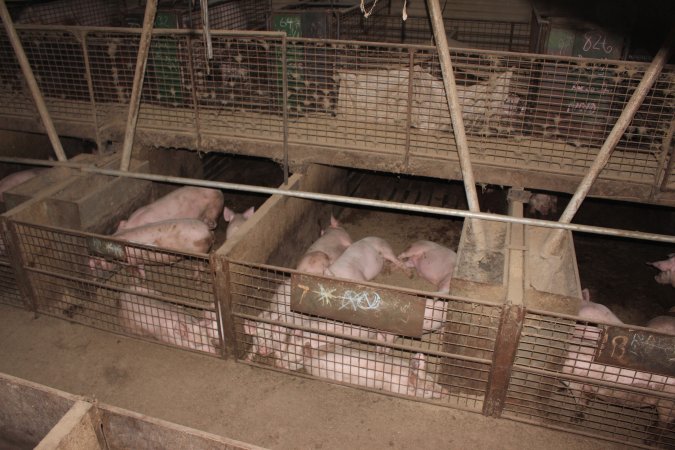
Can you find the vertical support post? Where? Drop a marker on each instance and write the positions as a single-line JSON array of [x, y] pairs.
[[141, 62], [456, 116], [90, 86], [32, 83], [15, 256], [223, 299], [510, 327], [408, 117], [665, 168], [284, 88], [193, 93], [513, 312], [555, 237]]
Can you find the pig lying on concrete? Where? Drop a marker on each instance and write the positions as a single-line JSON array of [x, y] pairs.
[[364, 260], [167, 322], [188, 202], [667, 268], [326, 250], [369, 369], [235, 220], [579, 362], [182, 235]]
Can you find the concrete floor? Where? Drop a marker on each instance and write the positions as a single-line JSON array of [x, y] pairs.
[[246, 403]]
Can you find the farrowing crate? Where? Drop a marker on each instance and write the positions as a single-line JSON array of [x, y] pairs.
[[13, 292], [78, 272]]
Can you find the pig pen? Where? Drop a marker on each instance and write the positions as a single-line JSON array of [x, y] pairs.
[[494, 352], [49, 180], [460, 329], [76, 270]]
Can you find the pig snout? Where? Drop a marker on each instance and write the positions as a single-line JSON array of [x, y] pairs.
[[235, 220]]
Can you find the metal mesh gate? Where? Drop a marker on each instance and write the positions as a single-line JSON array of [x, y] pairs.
[[449, 364], [556, 383], [141, 291]]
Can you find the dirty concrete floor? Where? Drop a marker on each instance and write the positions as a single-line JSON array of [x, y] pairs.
[[243, 402]]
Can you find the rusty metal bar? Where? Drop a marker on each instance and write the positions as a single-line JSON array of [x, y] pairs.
[[352, 200], [32, 82], [408, 117], [90, 87], [284, 104], [510, 327], [671, 158], [555, 238], [223, 299], [456, 115], [15, 257], [193, 93], [135, 101]]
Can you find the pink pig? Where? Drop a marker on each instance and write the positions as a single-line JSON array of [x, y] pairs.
[[235, 220], [188, 202], [363, 260], [16, 179], [166, 322], [433, 262], [667, 268], [580, 362], [324, 251], [183, 235], [369, 369], [665, 323]]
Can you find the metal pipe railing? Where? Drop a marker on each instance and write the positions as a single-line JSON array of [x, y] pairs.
[[137, 88], [455, 108], [351, 200], [31, 81]]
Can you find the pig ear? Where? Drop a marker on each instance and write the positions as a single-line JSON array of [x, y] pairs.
[[249, 212], [334, 222], [228, 214], [585, 296]]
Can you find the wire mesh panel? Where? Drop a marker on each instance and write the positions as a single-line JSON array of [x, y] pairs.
[[482, 34], [557, 381], [449, 364], [100, 13], [234, 15], [57, 61], [239, 92], [526, 112], [141, 291]]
